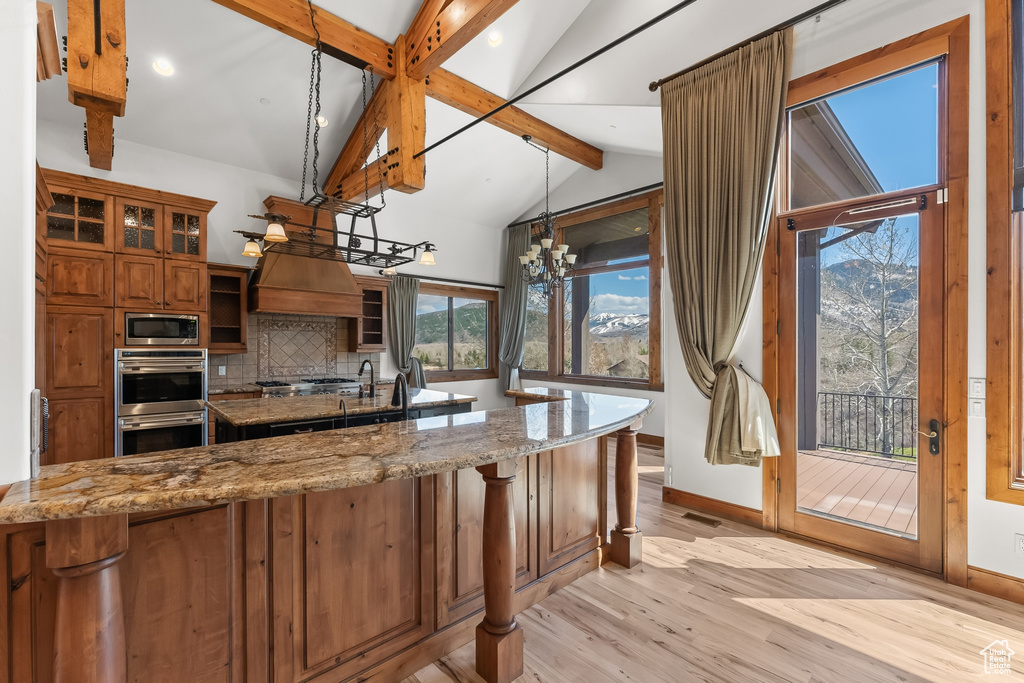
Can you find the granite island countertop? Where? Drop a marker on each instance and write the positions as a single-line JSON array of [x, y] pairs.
[[256, 411], [539, 394], [320, 461]]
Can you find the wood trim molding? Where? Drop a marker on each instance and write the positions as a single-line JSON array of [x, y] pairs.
[[995, 584], [1003, 288], [44, 200], [650, 440], [901, 54], [102, 186], [711, 506]]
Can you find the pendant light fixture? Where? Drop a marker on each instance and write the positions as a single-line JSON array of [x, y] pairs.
[[330, 243], [546, 265]]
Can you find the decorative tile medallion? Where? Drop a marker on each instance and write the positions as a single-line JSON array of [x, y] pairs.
[[295, 348]]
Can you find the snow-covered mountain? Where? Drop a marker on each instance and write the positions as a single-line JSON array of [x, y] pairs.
[[612, 325]]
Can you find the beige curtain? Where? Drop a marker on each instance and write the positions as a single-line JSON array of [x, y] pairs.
[[721, 125]]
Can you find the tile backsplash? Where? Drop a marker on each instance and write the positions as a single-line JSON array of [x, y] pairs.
[[289, 348]]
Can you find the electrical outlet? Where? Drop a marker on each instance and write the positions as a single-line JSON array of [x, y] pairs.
[[222, 370], [1018, 544]]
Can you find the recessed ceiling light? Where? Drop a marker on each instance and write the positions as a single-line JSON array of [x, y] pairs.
[[163, 67], [322, 121], [264, 101], [612, 125], [494, 40]]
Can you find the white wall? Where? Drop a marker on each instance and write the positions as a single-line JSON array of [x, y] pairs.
[[621, 173], [17, 196]]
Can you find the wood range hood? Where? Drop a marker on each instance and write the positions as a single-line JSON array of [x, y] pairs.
[[290, 283], [286, 283]]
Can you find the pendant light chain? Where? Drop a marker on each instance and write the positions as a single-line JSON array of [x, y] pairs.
[[366, 143], [312, 117]]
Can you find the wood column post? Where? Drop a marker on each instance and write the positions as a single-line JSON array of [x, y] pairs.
[[89, 644], [626, 538], [499, 639]]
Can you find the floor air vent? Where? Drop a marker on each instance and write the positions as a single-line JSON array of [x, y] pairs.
[[702, 519]]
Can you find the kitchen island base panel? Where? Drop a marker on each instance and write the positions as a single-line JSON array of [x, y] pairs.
[[89, 634]]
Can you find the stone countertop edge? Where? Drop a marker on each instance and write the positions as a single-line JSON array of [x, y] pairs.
[[538, 394], [240, 389], [256, 411], [304, 463]]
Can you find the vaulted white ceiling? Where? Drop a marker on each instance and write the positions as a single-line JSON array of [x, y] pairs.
[[239, 92]]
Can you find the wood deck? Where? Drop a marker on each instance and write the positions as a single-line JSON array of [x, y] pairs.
[[863, 488], [735, 604]]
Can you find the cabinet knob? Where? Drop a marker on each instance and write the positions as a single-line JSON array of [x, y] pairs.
[[157, 251], [167, 303]]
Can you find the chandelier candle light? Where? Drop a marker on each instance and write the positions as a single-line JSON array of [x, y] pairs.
[[545, 265]]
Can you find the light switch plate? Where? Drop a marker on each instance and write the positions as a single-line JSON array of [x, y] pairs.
[[976, 387], [976, 407]]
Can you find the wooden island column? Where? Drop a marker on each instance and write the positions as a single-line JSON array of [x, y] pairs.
[[499, 638], [627, 541], [89, 638]]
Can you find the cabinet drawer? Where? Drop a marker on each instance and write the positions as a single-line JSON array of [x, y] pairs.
[[79, 278], [301, 427]]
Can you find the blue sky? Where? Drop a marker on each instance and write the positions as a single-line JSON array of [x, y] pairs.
[[894, 125], [622, 293]]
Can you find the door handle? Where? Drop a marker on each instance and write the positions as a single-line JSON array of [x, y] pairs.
[[933, 437]]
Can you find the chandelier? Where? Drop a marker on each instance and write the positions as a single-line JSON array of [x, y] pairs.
[[546, 266], [331, 243]]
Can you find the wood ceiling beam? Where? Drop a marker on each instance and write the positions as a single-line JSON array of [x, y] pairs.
[[340, 39], [362, 138], [353, 187], [457, 92], [455, 25], [407, 124], [99, 138], [97, 74], [47, 50], [424, 21]]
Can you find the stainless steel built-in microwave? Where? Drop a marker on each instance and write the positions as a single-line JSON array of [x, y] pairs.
[[161, 329]]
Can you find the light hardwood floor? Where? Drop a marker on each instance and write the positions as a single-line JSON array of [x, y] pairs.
[[735, 604]]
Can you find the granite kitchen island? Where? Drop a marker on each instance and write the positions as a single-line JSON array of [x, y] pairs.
[[259, 418], [358, 553]]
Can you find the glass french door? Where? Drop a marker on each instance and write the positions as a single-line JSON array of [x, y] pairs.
[[861, 329]]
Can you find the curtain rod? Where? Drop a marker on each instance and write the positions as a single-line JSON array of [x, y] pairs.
[[618, 41], [585, 205], [793, 21], [444, 279]]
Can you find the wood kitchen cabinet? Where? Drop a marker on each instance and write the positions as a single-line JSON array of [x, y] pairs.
[[139, 227], [78, 345], [79, 218], [152, 283], [185, 233], [570, 521], [368, 332], [228, 306], [79, 278]]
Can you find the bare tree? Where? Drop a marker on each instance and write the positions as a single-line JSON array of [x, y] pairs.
[[869, 318]]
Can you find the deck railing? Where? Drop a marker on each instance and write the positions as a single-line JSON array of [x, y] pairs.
[[884, 425]]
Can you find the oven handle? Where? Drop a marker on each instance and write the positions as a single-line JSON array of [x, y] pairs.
[[128, 424], [127, 369]]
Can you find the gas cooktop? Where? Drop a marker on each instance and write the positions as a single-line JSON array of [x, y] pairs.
[[308, 387]]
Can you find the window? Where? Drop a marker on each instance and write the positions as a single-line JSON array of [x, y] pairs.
[[456, 332], [604, 327], [1005, 221]]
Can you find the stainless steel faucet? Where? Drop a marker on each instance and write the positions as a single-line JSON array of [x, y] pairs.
[[403, 396], [373, 386]]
